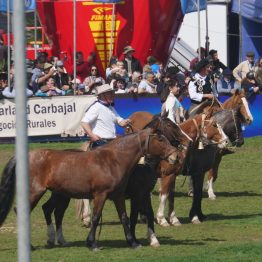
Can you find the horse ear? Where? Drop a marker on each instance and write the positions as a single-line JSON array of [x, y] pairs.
[[237, 92]]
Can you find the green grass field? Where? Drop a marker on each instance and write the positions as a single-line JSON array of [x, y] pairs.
[[233, 231]]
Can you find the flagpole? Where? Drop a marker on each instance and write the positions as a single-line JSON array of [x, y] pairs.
[[198, 20], [112, 30], [21, 154], [8, 44], [35, 33], [207, 36]]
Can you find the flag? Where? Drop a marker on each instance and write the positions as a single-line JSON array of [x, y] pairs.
[[30, 5]]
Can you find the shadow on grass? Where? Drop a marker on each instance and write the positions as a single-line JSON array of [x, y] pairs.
[[105, 244], [225, 217], [237, 194]]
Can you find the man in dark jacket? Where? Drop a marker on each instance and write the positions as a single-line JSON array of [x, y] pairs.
[[131, 64]]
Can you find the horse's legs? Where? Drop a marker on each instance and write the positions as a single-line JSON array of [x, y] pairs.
[[212, 176], [160, 216], [99, 202], [190, 187], [150, 221], [62, 203], [196, 215], [134, 210], [48, 208], [173, 220], [121, 210], [87, 212]]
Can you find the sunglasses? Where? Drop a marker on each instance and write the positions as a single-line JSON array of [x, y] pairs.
[[94, 69]]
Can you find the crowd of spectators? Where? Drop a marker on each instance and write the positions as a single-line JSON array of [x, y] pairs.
[[54, 77]]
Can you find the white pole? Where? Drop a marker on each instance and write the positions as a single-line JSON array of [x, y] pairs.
[[240, 31], [112, 30], [22, 181], [35, 34], [74, 41], [8, 43], [207, 36], [198, 20]]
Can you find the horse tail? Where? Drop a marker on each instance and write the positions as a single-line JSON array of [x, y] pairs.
[[7, 189]]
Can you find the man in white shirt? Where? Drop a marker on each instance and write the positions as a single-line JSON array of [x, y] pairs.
[[100, 119]]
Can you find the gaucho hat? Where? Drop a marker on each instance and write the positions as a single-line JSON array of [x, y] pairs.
[[201, 64], [128, 49]]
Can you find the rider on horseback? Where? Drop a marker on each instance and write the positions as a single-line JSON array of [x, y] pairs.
[[200, 87]]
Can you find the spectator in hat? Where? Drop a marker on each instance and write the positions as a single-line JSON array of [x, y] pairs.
[[131, 63], [200, 87], [217, 65], [61, 76], [250, 85], [100, 119], [39, 80], [244, 67], [227, 85], [195, 60]]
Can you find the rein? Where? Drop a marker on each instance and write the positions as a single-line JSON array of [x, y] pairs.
[[235, 123]]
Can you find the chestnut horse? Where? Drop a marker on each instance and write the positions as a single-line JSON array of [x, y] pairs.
[[98, 174]]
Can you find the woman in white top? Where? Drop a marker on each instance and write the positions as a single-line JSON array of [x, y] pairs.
[[172, 107]]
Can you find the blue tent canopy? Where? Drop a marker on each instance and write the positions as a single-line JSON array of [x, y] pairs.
[[30, 5], [189, 6], [251, 13]]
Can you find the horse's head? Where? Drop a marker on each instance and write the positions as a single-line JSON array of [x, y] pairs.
[[230, 121], [238, 101], [138, 121], [207, 132], [158, 145]]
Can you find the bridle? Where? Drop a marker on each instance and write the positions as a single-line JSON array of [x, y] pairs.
[[147, 145]]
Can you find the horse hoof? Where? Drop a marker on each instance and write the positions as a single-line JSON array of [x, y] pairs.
[[50, 244], [96, 249], [190, 194], [63, 244], [212, 197], [202, 217], [195, 220], [136, 246], [176, 224], [86, 225], [155, 244]]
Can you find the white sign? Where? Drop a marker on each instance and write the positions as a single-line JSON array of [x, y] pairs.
[[58, 115]]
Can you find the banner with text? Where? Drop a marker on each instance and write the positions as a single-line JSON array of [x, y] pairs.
[[46, 116]]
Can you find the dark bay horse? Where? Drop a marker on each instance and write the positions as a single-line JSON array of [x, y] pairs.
[[239, 104], [98, 174]]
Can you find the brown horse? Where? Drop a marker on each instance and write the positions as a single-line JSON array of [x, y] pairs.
[[98, 174]]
